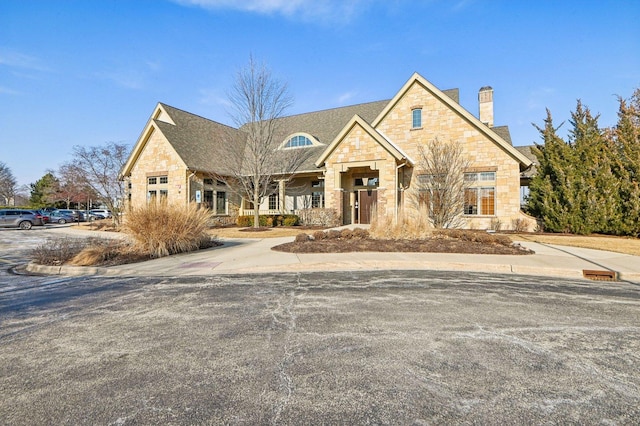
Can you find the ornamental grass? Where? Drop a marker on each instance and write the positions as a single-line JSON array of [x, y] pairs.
[[161, 229]]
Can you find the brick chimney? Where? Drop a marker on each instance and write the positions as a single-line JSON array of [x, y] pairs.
[[485, 101]]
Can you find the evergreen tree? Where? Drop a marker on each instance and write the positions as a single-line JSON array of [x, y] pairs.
[[625, 142], [551, 189], [43, 191], [595, 188]]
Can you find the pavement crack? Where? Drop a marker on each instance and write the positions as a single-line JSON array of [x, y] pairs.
[[283, 316]]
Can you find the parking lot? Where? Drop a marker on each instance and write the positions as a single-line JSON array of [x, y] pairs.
[[319, 348]]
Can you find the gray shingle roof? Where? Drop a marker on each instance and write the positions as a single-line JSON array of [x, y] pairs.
[[195, 138], [503, 132], [324, 125], [526, 151]]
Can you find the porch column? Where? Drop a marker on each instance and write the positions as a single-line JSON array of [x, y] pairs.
[[281, 195]]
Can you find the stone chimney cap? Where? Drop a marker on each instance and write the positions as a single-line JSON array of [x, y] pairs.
[[485, 88]]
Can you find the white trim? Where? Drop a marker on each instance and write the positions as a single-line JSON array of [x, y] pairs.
[[314, 141]]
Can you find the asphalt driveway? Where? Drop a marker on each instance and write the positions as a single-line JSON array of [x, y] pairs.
[[320, 348]]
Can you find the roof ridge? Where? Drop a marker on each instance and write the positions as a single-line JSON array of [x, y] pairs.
[[335, 108], [195, 115]]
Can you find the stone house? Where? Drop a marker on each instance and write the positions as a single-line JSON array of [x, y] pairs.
[[360, 156]]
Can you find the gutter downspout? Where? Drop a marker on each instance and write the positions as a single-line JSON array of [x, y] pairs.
[[189, 186], [396, 201]]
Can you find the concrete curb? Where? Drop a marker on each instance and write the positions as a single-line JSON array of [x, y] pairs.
[[335, 266]]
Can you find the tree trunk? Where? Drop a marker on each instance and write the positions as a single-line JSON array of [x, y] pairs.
[[256, 208]]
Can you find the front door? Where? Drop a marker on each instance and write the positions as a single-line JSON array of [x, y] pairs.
[[366, 201]]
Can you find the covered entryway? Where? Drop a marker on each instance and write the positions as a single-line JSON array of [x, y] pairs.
[[365, 205], [360, 195]]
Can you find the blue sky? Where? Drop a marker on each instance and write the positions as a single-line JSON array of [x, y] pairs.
[[88, 72]]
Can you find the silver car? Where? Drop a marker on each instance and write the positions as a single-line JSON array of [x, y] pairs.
[[19, 218], [58, 216]]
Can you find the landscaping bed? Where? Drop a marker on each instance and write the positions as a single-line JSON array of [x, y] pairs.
[[441, 241]]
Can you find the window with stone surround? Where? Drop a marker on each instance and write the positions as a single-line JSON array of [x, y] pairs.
[[480, 195], [416, 118]]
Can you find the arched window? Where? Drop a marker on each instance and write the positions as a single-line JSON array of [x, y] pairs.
[[298, 141]]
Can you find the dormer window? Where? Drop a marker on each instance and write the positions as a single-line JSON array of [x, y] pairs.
[[300, 140], [416, 118]]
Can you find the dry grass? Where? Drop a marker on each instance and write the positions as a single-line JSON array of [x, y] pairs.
[[625, 245], [411, 225], [279, 231], [162, 229]]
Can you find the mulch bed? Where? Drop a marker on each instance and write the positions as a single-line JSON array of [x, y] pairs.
[[435, 245]]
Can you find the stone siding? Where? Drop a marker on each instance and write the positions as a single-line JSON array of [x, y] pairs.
[[441, 122], [158, 158]]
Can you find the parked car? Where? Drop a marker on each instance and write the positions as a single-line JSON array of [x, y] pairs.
[[20, 218], [45, 215], [60, 216], [101, 213], [78, 215]]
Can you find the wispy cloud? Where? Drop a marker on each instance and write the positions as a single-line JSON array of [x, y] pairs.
[[345, 98], [539, 97], [8, 91], [14, 59], [124, 78], [131, 78], [214, 97], [310, 10]]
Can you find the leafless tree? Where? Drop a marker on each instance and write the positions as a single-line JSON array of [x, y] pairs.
[[8, 184], [97, 168], [253, 161], [72, 187], [440, 182]]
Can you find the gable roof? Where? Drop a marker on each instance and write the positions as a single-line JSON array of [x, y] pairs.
[[396, 152], [454, 106], [324, 126], [194, 138]]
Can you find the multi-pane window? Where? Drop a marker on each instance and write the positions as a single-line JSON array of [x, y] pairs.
[[416, 118], [317, 194], [208, 181], [221, 202], [480, 196], [208, 199], [298, 142], [157, 185], [273, 202]]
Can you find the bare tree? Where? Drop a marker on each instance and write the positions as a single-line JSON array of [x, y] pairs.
[[441, 184], [73, 188], [8, 184], [252, 158], [97, 168]]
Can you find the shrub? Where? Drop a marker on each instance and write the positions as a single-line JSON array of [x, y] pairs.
[[496, 224], [58, 251], [474, 236], [268, 220], [360, 234], [319, 217], [161, 229], [301, 238], [81, 252], [99, 252], [290, 220], [410, 224], [245, 221], [333, 234], [519, 225], [320, 235]]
